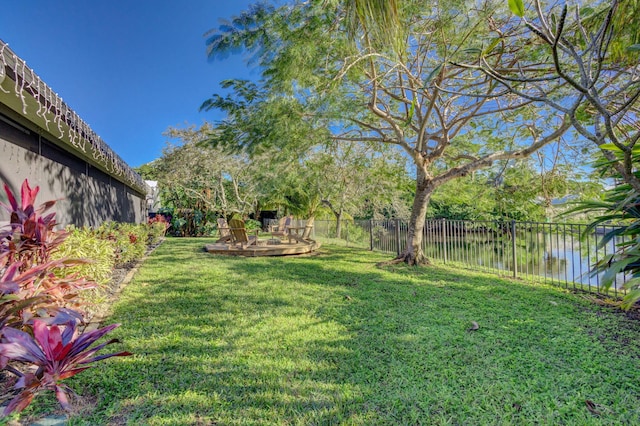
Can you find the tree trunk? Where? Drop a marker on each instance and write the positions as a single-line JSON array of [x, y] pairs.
[[338, 224], [413, 253]]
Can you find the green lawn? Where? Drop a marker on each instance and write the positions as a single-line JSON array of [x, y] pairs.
[[332, 339]]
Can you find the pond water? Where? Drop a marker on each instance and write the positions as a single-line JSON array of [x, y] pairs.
[[550, 252]]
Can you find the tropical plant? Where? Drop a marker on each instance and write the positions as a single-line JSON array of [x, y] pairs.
[[377, 18], [158, 226], [620, 206], [86, 243], [156, 230], [56, 353], [129, 240], [32, 289], [30, 237], [252, 224], [37, 296], [16, 304]]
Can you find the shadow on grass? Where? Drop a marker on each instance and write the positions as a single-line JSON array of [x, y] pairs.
[[333, 339]]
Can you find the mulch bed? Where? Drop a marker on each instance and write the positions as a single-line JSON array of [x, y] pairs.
[[120, 277]]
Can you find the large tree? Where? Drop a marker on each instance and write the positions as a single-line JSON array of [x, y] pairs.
[[409, 100], [202, 182], [357, 180], [581, 61], [345, 177]]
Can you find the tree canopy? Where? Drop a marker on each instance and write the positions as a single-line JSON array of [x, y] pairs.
[[318, 85]]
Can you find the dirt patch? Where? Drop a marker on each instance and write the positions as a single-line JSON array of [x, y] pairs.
[[618, 341]]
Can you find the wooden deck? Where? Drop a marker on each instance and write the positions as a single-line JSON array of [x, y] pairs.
[[265, 248]]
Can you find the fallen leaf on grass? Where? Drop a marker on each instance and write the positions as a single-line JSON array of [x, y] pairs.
[[553, 303], [347, 297], [592, 407], [474, 326]]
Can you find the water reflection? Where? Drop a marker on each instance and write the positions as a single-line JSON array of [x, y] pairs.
[[553, 252]]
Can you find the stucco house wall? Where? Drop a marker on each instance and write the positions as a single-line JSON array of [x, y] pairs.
[[43, 140]]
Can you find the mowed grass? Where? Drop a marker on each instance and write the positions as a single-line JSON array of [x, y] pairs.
[[333, 339]]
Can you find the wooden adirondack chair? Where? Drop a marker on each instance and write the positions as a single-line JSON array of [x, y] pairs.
[[224, 232], [305, 236], [274, 226], [281, 230], [239, 233]]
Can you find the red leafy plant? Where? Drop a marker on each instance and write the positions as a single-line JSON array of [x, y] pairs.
[[158, 218], [30, 236], [39, 309], [56, 353], [29, 288], [20, 299], [133, 238]]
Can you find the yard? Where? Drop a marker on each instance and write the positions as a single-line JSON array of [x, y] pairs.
[[333, 339]]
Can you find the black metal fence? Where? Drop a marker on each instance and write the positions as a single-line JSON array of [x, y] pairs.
[[555, 253]]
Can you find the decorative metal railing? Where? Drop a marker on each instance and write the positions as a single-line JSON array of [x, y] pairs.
[[58, 117], [555, 253]]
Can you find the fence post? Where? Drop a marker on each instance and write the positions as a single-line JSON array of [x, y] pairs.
[[513, 249], [371, 234], [444, 239], [397, 236]]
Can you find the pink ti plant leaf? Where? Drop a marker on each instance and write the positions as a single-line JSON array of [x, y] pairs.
[[28, 195], [8, 282], [13, 205], [58, 352]]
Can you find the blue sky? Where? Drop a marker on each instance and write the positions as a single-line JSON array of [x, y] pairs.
[[130, 69]]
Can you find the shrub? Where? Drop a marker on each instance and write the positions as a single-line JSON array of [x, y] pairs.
[[86, 243], [209, 229], [34, 301], [31, 289], [129, 240], [350, 231], [138, 236], [156, 231], [355, 233], [252, 224]]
